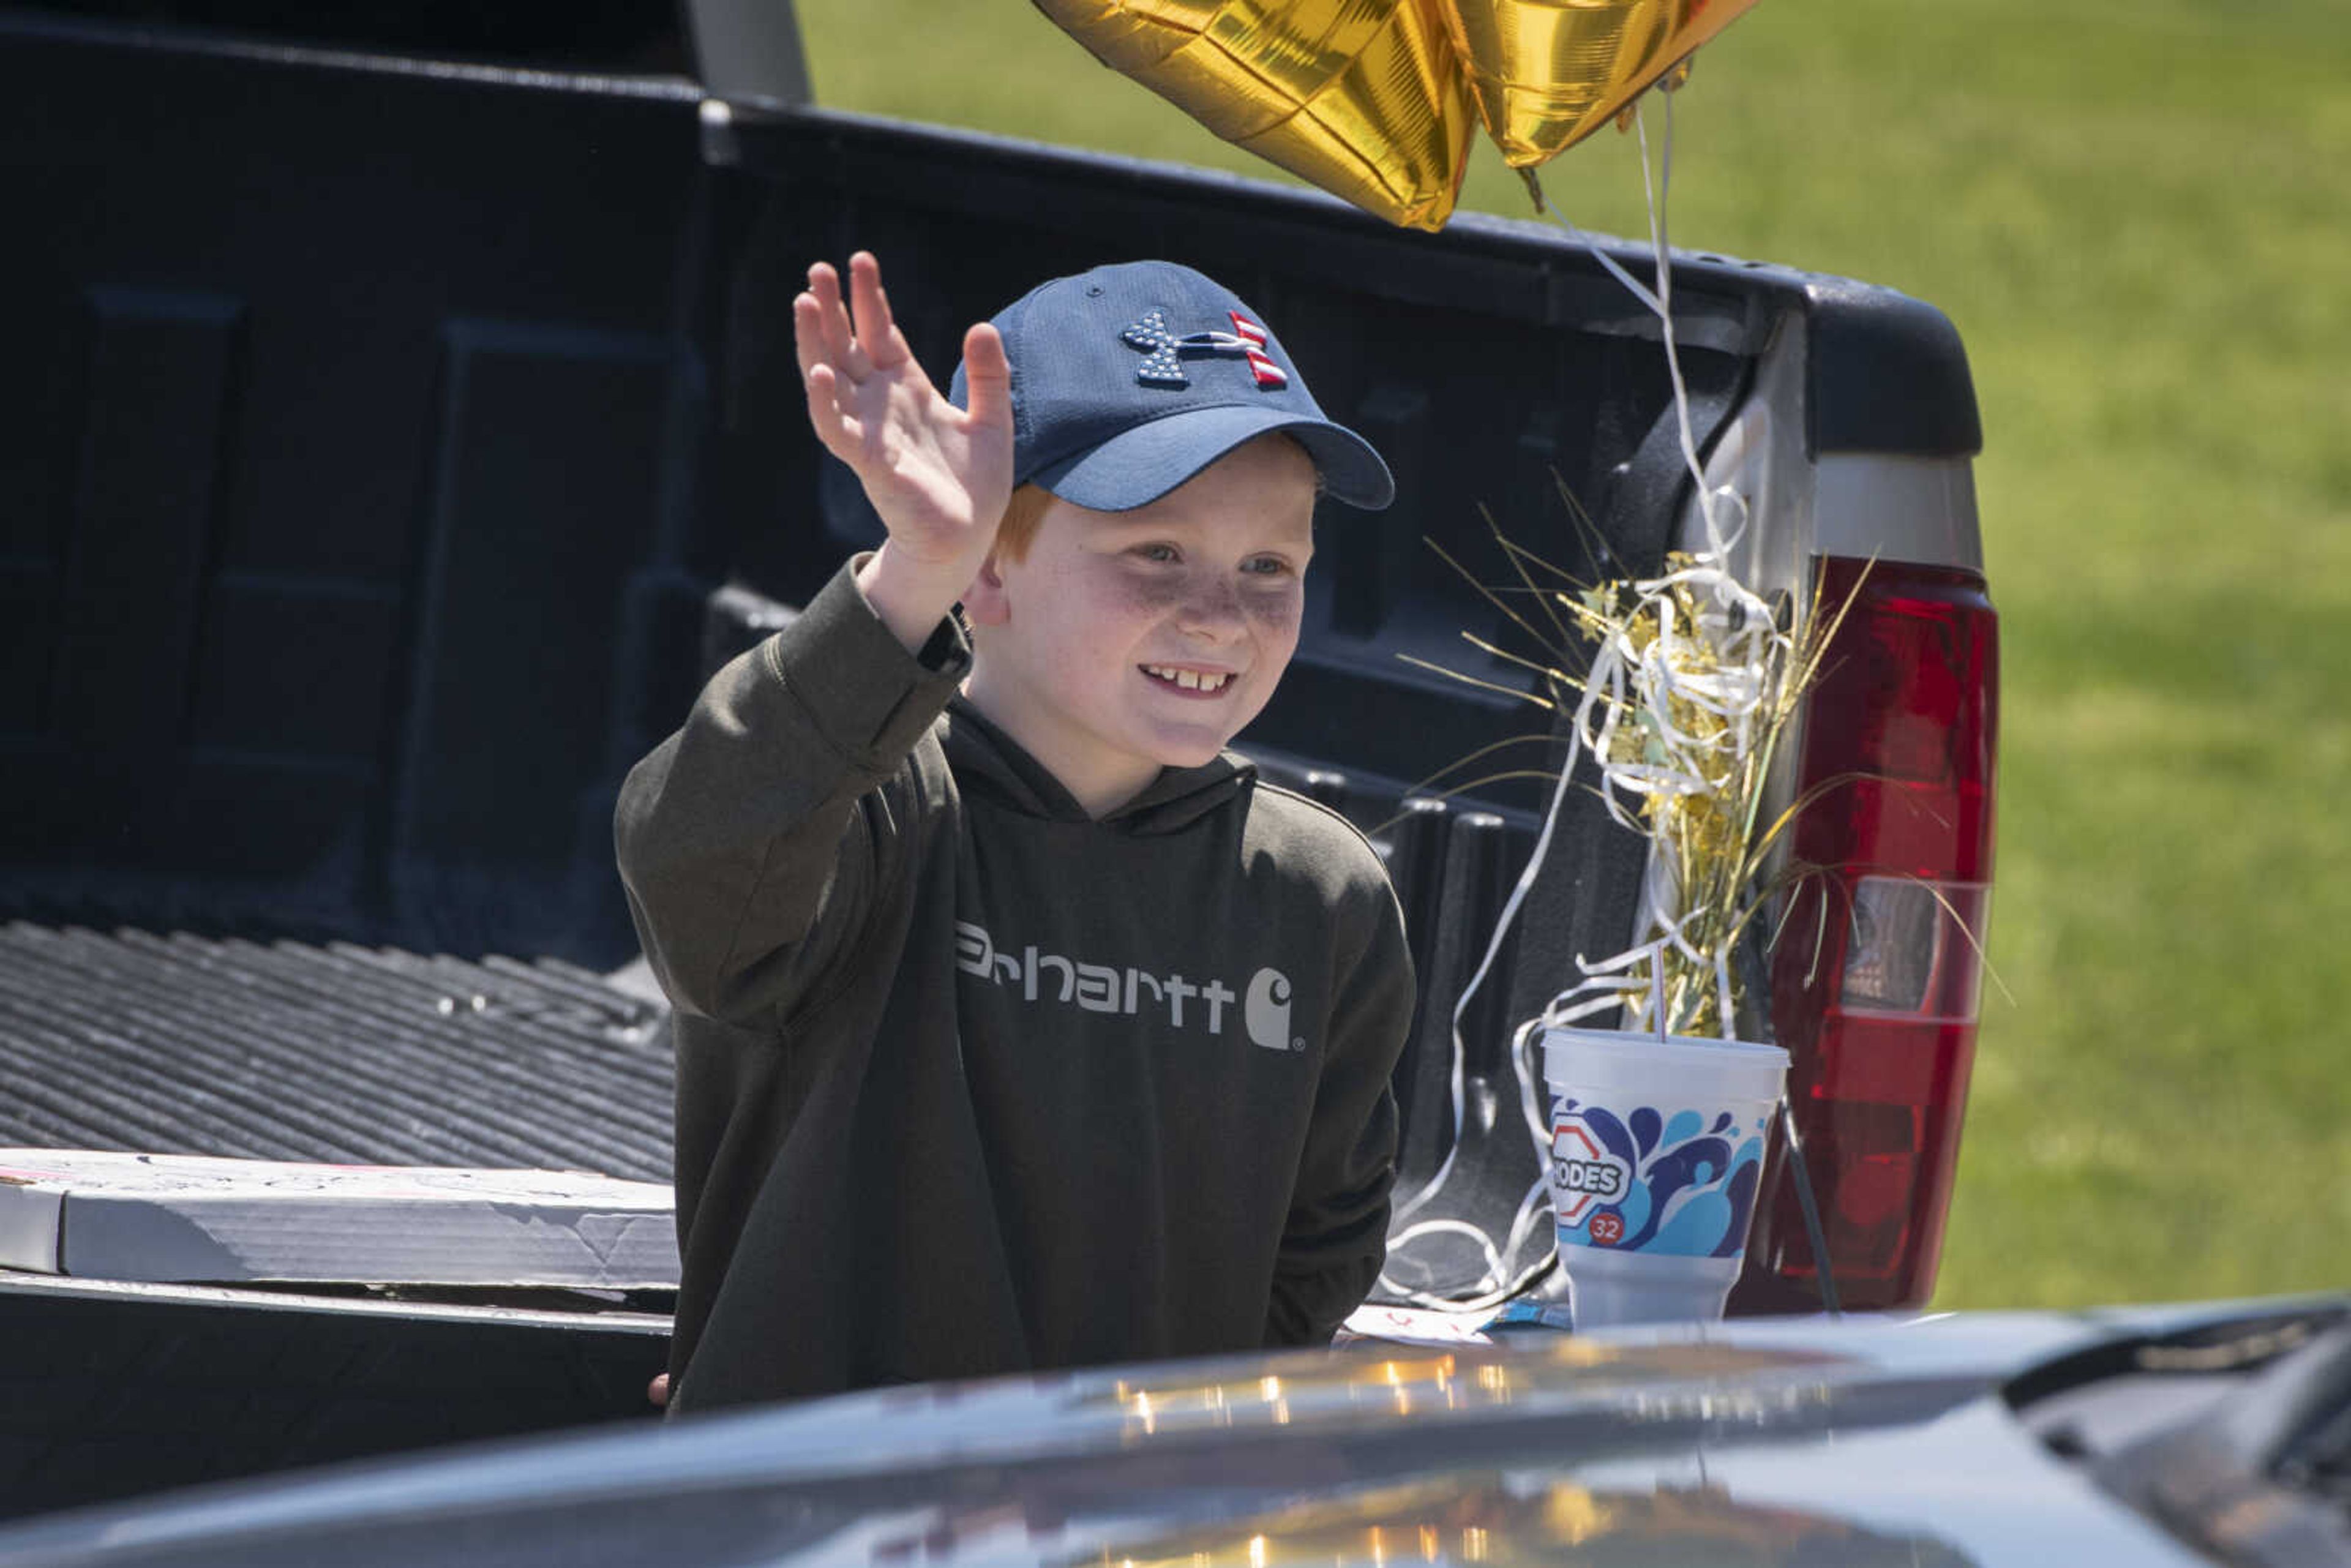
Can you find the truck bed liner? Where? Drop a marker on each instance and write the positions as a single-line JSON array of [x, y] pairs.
[[186, 1043]]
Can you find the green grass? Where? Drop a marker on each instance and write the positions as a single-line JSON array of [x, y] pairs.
[[2139, 212]]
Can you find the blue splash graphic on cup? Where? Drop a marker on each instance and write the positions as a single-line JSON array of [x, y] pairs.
[[1681, 1187]]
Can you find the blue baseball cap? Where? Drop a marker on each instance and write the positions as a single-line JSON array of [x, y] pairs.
[[1128, 379]]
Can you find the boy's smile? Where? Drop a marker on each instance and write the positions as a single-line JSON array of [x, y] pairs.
[[1205, 683], [1126, 642]]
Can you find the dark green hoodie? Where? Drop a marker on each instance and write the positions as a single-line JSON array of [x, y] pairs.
[[968, 1082]]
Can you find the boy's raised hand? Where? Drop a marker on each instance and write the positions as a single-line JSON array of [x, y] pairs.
[[938, 475]]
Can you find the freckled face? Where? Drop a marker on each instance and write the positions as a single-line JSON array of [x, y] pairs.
[[1127, 642]]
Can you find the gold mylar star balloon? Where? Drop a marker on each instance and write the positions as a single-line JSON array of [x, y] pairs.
[[1364, 98], [1372, 100], [1547, 73]]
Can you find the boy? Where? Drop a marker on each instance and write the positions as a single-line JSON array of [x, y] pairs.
[[1018, 1024]]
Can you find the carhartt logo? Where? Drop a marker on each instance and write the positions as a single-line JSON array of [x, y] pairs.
[[1265, 1012], [1164, 351], [1130, 991]]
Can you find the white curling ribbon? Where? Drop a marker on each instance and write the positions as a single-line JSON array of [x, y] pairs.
[[1723, 659]]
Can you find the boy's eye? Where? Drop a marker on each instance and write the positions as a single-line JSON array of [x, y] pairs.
[[1265, 566], [1159, 552]]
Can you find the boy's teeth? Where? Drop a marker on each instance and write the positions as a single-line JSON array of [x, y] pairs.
[[1189, 680]]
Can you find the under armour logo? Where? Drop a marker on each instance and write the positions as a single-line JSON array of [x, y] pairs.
[[1163, 362]]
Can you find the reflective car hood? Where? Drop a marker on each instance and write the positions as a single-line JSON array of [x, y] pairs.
[[1851, 1440]]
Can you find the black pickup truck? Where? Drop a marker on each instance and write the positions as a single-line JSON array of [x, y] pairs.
[[388, 449]]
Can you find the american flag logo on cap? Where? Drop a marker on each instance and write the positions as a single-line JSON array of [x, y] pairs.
[[1164, 351]]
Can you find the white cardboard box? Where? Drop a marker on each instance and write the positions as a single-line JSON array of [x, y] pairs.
[[183, 1218]]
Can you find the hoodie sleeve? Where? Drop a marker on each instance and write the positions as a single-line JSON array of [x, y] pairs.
[[1335, 1242], [751, 841]]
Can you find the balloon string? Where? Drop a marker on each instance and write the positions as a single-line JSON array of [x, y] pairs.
[[1496, 1284], [1519, 891], [1662, 303], [1656, 189]]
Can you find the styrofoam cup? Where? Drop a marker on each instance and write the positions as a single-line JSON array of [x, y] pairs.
[[1656, 1147]]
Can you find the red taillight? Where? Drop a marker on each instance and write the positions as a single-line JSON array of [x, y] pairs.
[[1875, 978]]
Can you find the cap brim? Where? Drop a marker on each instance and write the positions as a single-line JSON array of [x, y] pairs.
[[1136, 466]]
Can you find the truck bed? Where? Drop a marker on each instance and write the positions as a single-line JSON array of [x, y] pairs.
[[192, 1044]]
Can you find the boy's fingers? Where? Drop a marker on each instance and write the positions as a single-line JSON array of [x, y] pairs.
[[870, 313], [988, 377], [842, 436], [825, 283], [807, 334]]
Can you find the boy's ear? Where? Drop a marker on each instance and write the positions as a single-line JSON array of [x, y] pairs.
[[984, 602]]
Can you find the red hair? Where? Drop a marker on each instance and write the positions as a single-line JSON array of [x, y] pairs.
[[1022, 514]]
